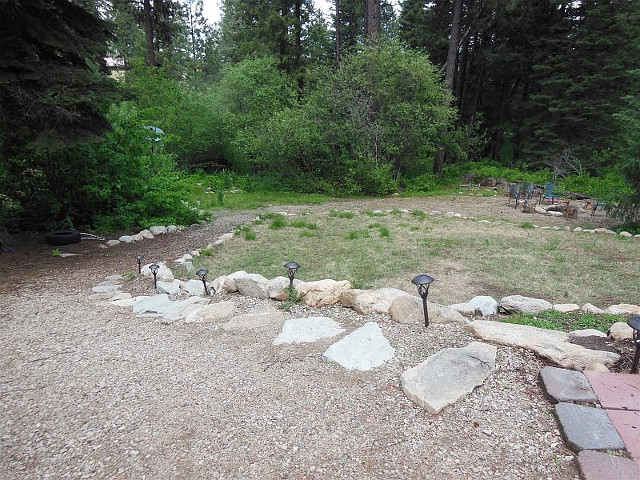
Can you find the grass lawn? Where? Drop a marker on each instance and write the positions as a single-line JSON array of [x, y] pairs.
[[466, 257]]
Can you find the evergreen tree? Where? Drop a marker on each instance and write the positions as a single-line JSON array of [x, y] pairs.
[[52, 73]]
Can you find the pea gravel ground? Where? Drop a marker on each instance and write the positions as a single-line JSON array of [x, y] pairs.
[[91, 391]]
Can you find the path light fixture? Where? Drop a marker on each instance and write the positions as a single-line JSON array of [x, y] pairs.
[[423, 281], [154, 269], [202, 273], [292, 268], [634, 323], [139, 260]]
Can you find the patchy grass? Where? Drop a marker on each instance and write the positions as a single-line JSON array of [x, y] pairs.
[[566, 322], [466, 257]]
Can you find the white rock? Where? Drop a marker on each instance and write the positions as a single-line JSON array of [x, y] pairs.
[[308, 330], [195, 253], [146, 234], [623, 309], [463, 309], [255, 318], [621, 331], [223, 238], [588, 332], [445, 377], [137, 237], [112, 243], [172, 229], [195, 287], [158, 230], [625, 234], [363, 349], [486, 304], [180, 310], [212, 313], [126, 239], [105, 288], [409, 310], [550, 344], [566, 307], [157, 304], [322, 292], [252, 285], [520, 304], [371, 301], [163, 274], [170, 288], [589, 308]]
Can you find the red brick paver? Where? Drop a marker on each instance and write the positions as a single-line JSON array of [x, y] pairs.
[[600, 466], [628, 426], [616, 391]]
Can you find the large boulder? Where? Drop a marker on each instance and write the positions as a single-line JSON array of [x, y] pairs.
[[164, 273], [621, 331], [323, 292], [445, 377], [278, 288], [520, 304], [550, 344], [485, 304], [252, 285], [623, 309], [371, 301], [212, 313], [408, 309], [182, 309]]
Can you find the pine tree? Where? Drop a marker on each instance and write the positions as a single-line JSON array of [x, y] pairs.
[[52, 73]]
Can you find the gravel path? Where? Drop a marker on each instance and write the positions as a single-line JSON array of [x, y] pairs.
[[90, 391]]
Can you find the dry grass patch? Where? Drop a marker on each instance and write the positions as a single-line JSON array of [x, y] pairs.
[[465, 257]]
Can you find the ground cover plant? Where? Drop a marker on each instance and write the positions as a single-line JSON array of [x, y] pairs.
[[467, 257]]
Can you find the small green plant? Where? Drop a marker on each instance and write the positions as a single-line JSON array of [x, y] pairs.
[[56, 252], [419, 214], [246, 232], [526, 225], [396, 212], [303, 224], [375, 213], [356, 234], [278, 222], [294, 296], [220, 198], [307, 234], [339, 214], [207, 252], [130, 275], [384, 232]]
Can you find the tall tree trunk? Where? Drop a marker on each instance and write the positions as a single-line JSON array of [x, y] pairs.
[[449, 75], [337, 33], [148, 32], [372, 21]]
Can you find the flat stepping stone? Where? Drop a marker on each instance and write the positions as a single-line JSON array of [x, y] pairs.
[[619, 391], [600, 466], [308, 330], [258, 317], [445, 377], [363, 349], [156, 304], [564, 385], [587, 428], [106, 288]]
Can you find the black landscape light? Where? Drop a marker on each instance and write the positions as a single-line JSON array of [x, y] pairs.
[[292, 268], [202, 273], [139, 260], [423, 281], [634, 323], [154, 269]]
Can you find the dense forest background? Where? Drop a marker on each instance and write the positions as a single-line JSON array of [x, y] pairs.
[[369, 100]]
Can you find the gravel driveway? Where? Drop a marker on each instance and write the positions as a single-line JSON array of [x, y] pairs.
[[92, 391]]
